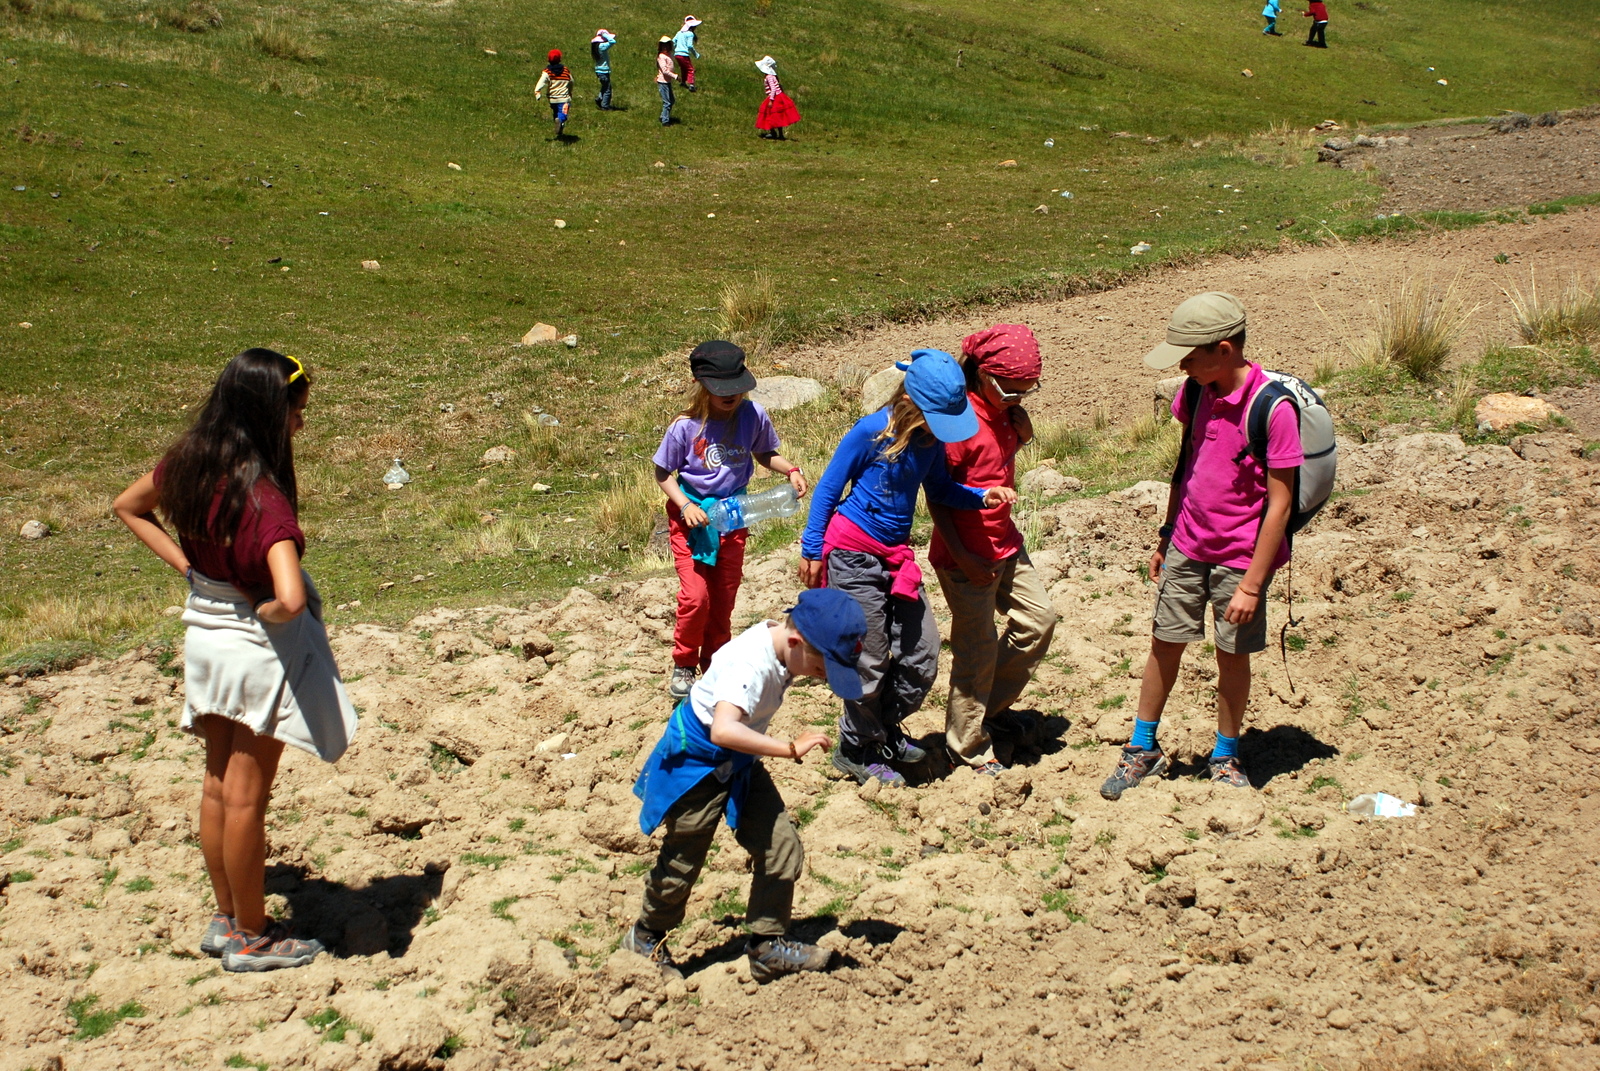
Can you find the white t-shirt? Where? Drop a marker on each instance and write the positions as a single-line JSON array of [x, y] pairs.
[[745, 672]]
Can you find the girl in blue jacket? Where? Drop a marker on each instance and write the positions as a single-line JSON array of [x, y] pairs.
[[859, 544], [600, 50], [1270, 13]]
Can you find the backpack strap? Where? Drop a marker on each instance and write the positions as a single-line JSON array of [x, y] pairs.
[[1266, 399], [1191, 402]]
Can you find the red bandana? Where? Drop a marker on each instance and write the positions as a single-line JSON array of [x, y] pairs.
[[1006, 350]]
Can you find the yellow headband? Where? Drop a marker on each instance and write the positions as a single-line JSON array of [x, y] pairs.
[[299, 369]]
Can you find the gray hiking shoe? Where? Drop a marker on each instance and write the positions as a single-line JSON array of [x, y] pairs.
[[273, 950], [683, 678], [901, 749], [1228, 773], [992, 768], [864, 767], [646, 942], [775, 956], [1135, 764], [215, 940]]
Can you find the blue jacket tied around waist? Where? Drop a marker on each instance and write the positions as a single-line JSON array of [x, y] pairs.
[[682, 759]]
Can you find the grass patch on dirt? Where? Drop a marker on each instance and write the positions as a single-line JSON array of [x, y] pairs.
[[94, 1023], [282, 155]]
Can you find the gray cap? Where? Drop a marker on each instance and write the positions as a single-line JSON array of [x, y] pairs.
[[1200, 321]]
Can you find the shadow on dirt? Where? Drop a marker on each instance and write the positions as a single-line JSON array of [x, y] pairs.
[[1020, 739], [382, 917], [1266, 754]]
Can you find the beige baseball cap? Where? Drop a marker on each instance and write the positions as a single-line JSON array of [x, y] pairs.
[[1200, 321]]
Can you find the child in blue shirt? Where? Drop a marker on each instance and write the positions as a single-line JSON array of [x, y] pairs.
[[858, 543], [600, 50]]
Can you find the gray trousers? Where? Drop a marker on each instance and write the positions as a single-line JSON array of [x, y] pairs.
[[899, 655]]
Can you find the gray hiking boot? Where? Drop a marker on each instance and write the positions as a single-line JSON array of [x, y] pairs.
[[215, 940], [775, 956], [864, 766], [683, 678], [652, 946], [1228, 773], [1134, 765], [273, 950], [901, 749]]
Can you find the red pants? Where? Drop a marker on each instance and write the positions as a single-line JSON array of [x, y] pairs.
[[706, 594], [686, 65]]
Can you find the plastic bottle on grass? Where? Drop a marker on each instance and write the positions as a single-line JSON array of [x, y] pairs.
[[1380, 805], [397, 476], [745, 511]]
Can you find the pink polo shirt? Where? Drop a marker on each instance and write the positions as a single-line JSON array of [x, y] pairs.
[[1220, 514]]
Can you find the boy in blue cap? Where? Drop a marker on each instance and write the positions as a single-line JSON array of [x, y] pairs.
[[705, 767], [859, 544]]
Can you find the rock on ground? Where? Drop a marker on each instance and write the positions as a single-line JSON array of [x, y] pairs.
[[776, 393]]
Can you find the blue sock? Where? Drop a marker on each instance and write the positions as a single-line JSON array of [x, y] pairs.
[[1144, 734], [1227, 747]]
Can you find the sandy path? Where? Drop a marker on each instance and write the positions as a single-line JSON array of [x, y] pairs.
[[1302, 305]]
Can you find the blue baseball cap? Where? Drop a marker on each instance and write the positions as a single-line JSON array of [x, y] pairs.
[[833, 622], [939, 387]]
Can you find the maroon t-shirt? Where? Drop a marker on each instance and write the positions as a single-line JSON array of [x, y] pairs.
[[267, 519]]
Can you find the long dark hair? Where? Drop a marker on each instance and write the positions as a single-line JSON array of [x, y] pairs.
[[241, 436]]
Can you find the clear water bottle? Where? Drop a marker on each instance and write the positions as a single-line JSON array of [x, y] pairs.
[[745, 511], [1380, 805], [397, 476]]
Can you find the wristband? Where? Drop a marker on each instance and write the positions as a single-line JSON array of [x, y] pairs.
[[793, 754], [1166, 530]]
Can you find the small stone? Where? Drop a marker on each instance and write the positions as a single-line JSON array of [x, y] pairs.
[[539, 488], [1042, 210], [1248, 73], [34, 530], [561, 224], [552, 745], [498, 455], [370, 265], [172, 611], [879, 388], [658, 163], [540, 332], [571, 342], [1548, 446], [386, 585], [1007, 163], [1046, 482], [1341, 1019], [1140, 249], [453, 166]]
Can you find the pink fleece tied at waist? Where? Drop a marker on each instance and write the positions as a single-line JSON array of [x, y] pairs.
[[845, 534]]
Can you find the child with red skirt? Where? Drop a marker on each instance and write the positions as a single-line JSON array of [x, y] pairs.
[[777, 110]]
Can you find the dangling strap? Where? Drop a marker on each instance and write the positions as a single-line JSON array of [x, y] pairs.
[[1283, 633]]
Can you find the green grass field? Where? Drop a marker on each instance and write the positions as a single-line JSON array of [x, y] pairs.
[[201, 178]]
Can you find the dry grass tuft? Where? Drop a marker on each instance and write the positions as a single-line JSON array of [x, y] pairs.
[[281, 43], [1462, 411], [1571, 317], [198, 17], [627, 510], [1324, 371], [76, 620], [1417, 327], [746, 312], [501, 539], [1537, 991]]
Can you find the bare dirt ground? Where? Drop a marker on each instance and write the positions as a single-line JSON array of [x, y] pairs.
[[474, 858]]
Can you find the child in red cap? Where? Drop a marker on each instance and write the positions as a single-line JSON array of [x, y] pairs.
[[558, 77], [978, 554]]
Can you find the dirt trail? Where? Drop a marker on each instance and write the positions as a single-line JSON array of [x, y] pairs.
[[1301, 304], [475, 856]]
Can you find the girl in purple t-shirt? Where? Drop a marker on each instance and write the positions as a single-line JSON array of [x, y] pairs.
[[709, 453]]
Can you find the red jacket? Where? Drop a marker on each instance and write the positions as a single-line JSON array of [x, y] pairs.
[[1317, 11]]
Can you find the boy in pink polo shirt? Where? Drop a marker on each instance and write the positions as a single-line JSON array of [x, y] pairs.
[[978, 554], [1223, 537]]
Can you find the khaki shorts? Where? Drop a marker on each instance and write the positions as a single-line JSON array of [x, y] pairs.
[[1186, 587]]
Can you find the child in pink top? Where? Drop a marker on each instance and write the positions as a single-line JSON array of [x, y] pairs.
[[1224, 534], [777, 110]]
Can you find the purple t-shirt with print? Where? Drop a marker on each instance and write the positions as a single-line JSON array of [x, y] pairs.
[[1222, 500], [717, 458]]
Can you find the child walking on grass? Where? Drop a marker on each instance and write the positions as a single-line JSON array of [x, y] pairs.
[[600, 52], [258, 672], [777, 111], [979, 557], [709, 453], [705, 767], [665, 76], [1317, 12], [684, 52], [558, 77], [859, 544], [1270, 13], [1223, 537]]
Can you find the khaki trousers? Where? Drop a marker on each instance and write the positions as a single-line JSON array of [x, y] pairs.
[[764, 831], [990, 667]]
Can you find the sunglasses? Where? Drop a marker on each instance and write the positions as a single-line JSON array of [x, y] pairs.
[[299, 369], [1011, 396]]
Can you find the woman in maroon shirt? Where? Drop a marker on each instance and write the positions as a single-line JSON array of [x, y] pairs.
[[256, 664]]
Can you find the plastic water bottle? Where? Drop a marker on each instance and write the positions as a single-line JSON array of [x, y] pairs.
[[1380, 805], [744, 511], [397, 476]]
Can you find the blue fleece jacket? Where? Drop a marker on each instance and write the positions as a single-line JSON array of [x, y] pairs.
[[883, 494], [604, 48], [683, 44]]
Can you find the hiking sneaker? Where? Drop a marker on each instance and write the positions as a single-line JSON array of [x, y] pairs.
[[864, 768], [1135, 764], [992, 768], [652, 946], [215, 940], [683, 678], [1228, 772], [776, 956], [273, 950], [900, 749]]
